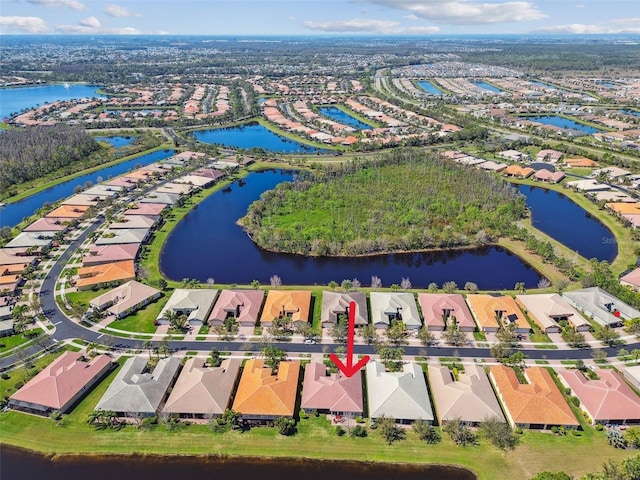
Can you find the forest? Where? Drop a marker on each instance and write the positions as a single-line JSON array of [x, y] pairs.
[[414, 201], [34, 152]]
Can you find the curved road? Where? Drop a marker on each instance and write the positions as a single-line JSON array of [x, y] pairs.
[[68, 329]]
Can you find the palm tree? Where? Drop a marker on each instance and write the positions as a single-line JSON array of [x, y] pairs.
[[520, 287]]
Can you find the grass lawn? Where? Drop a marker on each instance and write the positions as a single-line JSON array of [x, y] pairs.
[[12, 341], [8, 386], [83, 297], [142, 320]]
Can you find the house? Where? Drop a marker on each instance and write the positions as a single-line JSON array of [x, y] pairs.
[[537, 405], [32, 239], [389, 306], [138, 392], [176, 188], [518, 171], [601, 306], [126, 299], [122, 271], [104, 190], [470, 397], [294, 304], [335, 304], [120, 237], [632, 279], [491, 311], [202, 391], [158, 197], [61, 385], [581, 163], [607, 399], [195, 304], [46, 224], [133, 222], [263, 395], [68, 211], [110, 253], [513, 155], [200, 181], [632, 375], [548, 176], [333, 394], [17, 255], [81, 199], [402, 396], [6, 322], [243, 305], [492, 166], [438, 309], [548, 155], [548, 309], [147, 209]]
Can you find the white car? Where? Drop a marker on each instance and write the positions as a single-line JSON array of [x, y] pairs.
[[309, 342]]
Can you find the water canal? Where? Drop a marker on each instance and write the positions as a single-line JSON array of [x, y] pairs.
[[252, 135], [488, 86], [208, 243], [562, 122], [343, 117], [19, 464], [430, 88], [13, 213], [16, 99]]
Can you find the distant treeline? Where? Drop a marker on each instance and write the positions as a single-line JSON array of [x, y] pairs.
[[402, 201], [33, 152]]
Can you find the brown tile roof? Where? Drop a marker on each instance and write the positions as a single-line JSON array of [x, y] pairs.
[[433, 306], [68, 211], [57, 385], [296, 303], [108, 272], [334, 392], [262, 393], [485, 306], [538, 402], [608, 398], [110, 253]]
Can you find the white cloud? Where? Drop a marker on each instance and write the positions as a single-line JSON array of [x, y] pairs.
[[114, 10], [466, 12], [73, 4], [581, 6], [366, 25], [91, 22], [618, 25], [24, 24]]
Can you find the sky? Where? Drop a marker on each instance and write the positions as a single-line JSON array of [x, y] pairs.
[[316, 17]]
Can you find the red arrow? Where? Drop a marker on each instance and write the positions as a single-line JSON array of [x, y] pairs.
[[349, 369]]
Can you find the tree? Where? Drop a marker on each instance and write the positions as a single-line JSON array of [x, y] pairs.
[[632, 436], [214, 357], [391, 357], [368, 333], [286, 426], [275, 281], [389, 430], [176, 319], [631, 467], [147, 344], [397, 334], [452, 335], [273, 356], [340, 329], [635, 354], [426, 432], [615, 438], [405, 283], [552, 476], [572, 337], [255, 284], [499, 433], [306, 331], [375, 282], [210, 282], [449, 287], [162, 284], [425, 336], [459, 432], [471, 287], [607, 335], [332, 285], [346, 285], [520, 287], [433, 287]]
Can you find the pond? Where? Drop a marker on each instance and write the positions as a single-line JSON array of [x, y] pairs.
[[208, 243], [344, 118], [16, 99], [116, 142], [631, 112], [430, 88], [562, 122], [13, 213], [253, 135], [19, 464], [559, 217], [488, 86]]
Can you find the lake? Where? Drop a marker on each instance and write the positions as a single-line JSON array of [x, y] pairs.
[[489, 87], [559, 217], [252, 135], [562, 122], [13, 213], [430, 88], [16, 99], [19, 464], [208, 243], [631, 112], [116, 142], [344, 118]]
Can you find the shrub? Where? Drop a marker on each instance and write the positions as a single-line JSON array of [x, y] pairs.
[[599, 427], [359, 431], [340, 431]]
